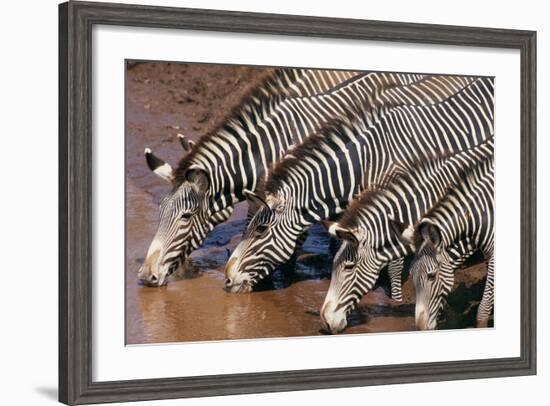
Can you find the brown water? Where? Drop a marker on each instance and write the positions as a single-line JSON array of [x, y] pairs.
[[164, 99]]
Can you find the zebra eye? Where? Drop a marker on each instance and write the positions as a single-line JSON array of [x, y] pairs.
[[348, 266], [431, 275], [186, 216], [261, 228]]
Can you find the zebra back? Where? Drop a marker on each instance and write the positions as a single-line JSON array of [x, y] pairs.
[[309, 82]]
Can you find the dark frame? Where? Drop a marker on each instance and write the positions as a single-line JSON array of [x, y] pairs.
[[76, 20]]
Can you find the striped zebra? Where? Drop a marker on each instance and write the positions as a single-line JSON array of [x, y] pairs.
[[181, 233], [224, 167], [377, 228], [460, 224], [317, 180]]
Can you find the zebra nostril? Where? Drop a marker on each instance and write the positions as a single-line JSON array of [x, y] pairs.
[[228, 283], [153, 279]]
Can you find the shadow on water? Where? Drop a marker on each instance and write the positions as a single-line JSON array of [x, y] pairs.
[[214, 252], [222, 234], [312, 263], [363, 314]]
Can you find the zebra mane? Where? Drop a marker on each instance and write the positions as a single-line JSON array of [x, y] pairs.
[[260, 186], [404, 171], [271, 90]]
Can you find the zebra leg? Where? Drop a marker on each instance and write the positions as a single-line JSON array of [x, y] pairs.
[[291, 264], [395, 270], [486, 304]]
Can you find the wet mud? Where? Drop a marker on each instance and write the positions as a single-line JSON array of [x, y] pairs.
[[164, 99]]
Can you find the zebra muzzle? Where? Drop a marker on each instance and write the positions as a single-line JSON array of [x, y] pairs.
[[236, 281], [333, 320]]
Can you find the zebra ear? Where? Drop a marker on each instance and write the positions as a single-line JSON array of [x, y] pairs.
[[158, 166], [340, 233], [255, 200], [430, 233], [405, 231], [199, 177], [185, 143]]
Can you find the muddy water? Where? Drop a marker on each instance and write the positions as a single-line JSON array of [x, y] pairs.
[[194, 307], [163, 99]]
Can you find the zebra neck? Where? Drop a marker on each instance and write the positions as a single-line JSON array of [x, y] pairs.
[[459, 251], [222, 202], [220, 216]]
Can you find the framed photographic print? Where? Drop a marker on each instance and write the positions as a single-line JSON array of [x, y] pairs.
[[257, 202]]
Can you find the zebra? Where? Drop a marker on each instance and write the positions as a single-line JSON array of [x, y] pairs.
[[187, 195], [461, 223], [319, 177], [377, 227], [224, 166]]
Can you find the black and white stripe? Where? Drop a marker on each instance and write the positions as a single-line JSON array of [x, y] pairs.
[[374, 225], [318, 179]]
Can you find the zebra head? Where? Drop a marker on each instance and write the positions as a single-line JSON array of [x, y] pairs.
[[269, 241], [432, 276], [341, 296], [185, 219], [363, 254]]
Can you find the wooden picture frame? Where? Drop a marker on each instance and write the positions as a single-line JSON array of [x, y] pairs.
[[76, 20]]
